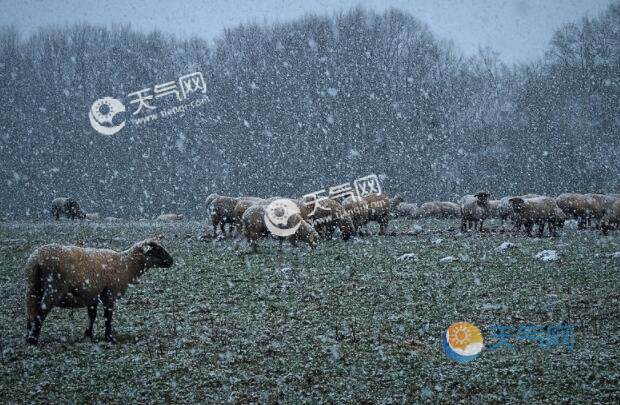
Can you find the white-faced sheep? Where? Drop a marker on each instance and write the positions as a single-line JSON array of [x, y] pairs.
[[67, 206], [254, 228], [537, 210], [75, 277], [474, 210]]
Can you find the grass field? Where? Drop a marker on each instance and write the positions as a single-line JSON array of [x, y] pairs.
[[348, 322]]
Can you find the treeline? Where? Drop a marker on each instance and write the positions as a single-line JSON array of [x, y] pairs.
[[299, 106]]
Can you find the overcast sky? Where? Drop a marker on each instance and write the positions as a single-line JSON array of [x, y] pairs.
[[518, 29]]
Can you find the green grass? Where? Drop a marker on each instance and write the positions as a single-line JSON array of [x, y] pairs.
[[347, 322]]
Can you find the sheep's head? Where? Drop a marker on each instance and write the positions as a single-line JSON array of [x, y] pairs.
[[154, 254], [309, 234], [517, 203], [483, 198], [74, 208], [396, 200]]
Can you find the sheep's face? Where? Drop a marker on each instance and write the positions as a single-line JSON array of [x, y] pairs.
[[156, 255], [397, 200], [517, 204], [483, 198]]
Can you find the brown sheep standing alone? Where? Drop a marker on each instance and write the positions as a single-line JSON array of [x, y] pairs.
[[75, 277]]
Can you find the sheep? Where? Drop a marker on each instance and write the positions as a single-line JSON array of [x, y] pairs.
[[92, 216], [537, 210], [581, 207], [358, 210], [254, 227], [221, 209], [380, 209], [243, 203], [599, 205], [406, 210], [75, 277], [611, 219], [112, 219], [328, 215], [504, 207], [170, 217], [67, 206], [474, 210], [439, 209]]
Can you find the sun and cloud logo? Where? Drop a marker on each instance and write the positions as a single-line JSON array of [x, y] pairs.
[[462, 342], [103, 112]]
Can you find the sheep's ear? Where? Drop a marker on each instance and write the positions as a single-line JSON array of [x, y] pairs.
[[146, 247]]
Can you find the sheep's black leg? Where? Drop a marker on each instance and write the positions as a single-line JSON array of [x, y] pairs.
[[107, 312], [553, 228], [43, 310], [528, 228], [541, 229], [383, 227], [214, 229], [223, 228], [92, 315], [108, 309]]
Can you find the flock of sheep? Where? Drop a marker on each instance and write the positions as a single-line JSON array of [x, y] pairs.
[[246, 214], [600, 211], [76, 277]]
